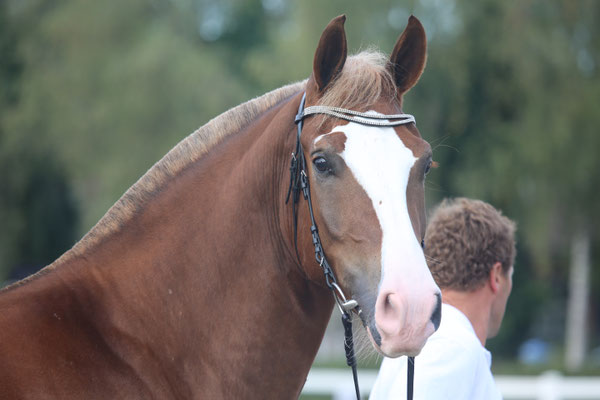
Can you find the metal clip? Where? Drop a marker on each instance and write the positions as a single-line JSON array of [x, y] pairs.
[[343, 304]]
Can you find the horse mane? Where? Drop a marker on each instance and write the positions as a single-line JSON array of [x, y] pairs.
[[364, 80], [186, 152]]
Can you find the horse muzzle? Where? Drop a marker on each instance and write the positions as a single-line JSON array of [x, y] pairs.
[[402, 324]]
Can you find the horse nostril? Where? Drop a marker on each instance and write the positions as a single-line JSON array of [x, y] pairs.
[[436, 316], [389, 305]]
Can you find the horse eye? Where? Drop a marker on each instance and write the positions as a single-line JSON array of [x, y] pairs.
[[428, 167], [321, 164]]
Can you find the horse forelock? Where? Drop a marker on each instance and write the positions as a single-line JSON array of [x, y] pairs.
[[364, 81]]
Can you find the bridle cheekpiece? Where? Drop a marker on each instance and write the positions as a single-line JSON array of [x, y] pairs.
[[299, 184]]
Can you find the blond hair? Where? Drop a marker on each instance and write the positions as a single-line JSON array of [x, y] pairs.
[[364, 80]]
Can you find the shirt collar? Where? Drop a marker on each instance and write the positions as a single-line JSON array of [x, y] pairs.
[[454, 314]]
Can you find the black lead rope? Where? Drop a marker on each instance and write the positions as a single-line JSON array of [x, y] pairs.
[[299, 184], [349, 347], [410, 378]]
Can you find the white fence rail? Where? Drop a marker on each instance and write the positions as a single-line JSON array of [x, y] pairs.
[[550, 385]]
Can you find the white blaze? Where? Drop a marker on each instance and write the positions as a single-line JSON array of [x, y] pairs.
[[381, 164]]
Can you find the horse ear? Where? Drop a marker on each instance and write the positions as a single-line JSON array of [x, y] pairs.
[[331, 53], [408, 57]]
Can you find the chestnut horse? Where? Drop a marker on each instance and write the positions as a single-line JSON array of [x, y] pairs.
[[193, 284]]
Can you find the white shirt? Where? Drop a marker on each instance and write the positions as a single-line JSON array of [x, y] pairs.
[[453, 365]]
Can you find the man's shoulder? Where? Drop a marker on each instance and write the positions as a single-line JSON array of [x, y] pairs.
[[451, 348], [447, 368], [452, 364], [455, 334], [454, 345], [455, 351]]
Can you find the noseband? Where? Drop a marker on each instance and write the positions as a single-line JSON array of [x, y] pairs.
[[299, 183]]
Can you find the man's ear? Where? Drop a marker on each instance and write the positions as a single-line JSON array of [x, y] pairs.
[[496, 278]]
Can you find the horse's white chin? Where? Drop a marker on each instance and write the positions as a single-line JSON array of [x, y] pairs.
[[400, 345]]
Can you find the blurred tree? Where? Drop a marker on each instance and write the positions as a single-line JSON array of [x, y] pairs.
[[37, 211], [37, 215], [111, 87], [10, 65]]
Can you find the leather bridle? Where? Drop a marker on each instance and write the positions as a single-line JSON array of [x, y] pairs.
[[299, 183]]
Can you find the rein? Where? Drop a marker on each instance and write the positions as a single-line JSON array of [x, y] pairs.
[[299, 184]]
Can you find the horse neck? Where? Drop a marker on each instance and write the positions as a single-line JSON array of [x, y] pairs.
[[204, 276]]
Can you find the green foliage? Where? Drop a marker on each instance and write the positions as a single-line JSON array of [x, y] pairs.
[[37, 212], [10, 65]]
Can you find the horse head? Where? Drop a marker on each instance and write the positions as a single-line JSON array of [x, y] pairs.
[[367, 184]]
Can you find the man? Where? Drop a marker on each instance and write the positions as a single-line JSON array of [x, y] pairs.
[[470, 248]]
